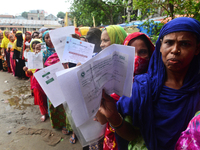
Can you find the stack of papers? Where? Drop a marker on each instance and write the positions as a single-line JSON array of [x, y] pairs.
[[81, 87]]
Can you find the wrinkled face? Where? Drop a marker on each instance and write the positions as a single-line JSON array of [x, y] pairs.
[[140, 48], [105, 40], [47, 40], [178, 50], [28, 36], [12, 38]]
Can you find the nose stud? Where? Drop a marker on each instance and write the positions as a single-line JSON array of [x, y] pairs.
[[179, 51]]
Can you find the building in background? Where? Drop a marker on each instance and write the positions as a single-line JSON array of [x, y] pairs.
[[36, 20], [51, 17], [36, 15]]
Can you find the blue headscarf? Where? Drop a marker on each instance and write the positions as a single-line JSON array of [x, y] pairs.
[[49, 51], [160, 112]]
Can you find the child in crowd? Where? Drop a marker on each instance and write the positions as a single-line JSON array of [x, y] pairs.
[[39, 95]]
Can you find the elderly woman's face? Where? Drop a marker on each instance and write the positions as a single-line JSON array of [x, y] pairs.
[[178, 50], [105, 40]]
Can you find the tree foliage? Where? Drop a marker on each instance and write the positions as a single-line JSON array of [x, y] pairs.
[[24, 14], [104, 11], [61, 15], [169, 8]]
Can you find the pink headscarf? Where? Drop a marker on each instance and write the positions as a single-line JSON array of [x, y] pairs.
[[52, 60]]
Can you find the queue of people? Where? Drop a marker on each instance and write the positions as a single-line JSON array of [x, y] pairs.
[[165, 92]]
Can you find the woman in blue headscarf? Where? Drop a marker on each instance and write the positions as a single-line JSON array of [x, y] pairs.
[[50, 48], [165, 99]]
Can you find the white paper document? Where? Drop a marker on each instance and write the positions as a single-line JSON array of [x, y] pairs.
[[48, 81], [58, 38], [77, 51], [35, 61], [111, 69], [43, 47], [92, 130]]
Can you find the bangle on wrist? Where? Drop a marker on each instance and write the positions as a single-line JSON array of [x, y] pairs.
[[119, 125]]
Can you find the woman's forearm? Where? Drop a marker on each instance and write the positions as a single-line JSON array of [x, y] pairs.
[[127, 132], [123, 128]]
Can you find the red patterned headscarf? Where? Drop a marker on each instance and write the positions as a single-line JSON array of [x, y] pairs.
[[141, 64], [52, 60]]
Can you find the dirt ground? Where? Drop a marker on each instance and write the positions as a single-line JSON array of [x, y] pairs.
[[17, 110]]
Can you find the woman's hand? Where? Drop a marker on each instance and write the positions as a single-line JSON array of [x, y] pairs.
[[100, 118], [78, 64], [108, 109], [25, 68]]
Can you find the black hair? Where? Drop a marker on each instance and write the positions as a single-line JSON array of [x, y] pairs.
[[19, 39], [94, 36], [34, 33], [76, 36], [34, 42], [145, 40]]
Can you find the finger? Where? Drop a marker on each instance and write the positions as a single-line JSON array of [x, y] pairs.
[[106, 96]]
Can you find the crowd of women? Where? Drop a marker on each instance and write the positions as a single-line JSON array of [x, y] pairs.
[[165, 92]]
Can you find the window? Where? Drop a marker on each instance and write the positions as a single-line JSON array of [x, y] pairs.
[[31, 18]]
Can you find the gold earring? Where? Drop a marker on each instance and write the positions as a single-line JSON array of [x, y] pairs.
[[179, 51]]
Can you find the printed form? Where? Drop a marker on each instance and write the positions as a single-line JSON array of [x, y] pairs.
[[35, 61], [112, 70], [77, 51], [47, 79], [58, 38], [109, 71]]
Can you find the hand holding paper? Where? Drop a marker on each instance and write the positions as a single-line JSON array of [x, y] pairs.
[[112, 70]]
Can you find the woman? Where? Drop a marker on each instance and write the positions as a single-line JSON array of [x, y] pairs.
[[19, 56], [11, 38], [57, 115], [165, 99], [26, 44], [50, 48], [35, 35], [14, 31], [112, 34], [5, 54], [143, 51], [1, 37]]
